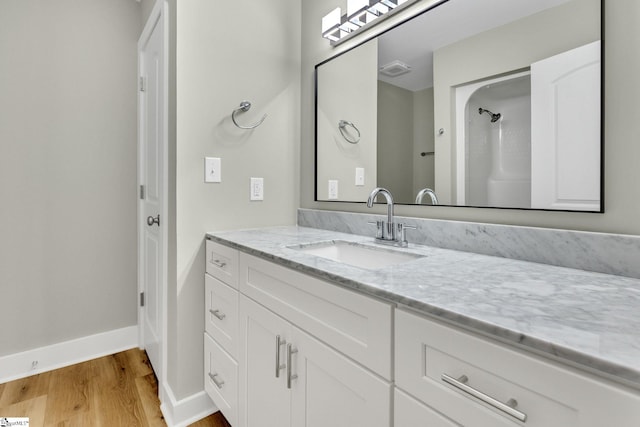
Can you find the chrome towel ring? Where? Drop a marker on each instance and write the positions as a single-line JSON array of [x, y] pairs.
[[244, 107], [342, 124]]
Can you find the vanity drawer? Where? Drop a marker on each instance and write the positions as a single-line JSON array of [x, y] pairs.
[[221, 379], [549, 395], [221, 314], [356, 325], [408, 412], [222, 263]]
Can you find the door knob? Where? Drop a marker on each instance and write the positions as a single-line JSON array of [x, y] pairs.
[[151, 220]]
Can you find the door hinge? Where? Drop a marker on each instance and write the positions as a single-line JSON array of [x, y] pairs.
[[142, 84], [141, 299], [142, 192]]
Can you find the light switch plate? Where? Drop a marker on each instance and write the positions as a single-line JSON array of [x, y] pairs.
[[360, 177], [257, 188], [333, 189], [212, 169]]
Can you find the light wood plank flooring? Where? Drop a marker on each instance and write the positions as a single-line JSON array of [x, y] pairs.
[[116, 390]]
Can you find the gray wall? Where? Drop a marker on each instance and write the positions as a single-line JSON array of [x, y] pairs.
[[67, 169], [217, 65], [423, 141], [395, 142], [353, 80], [621, 129]]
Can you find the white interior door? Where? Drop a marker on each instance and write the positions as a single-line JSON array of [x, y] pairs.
[[565, 130], [152, 221]]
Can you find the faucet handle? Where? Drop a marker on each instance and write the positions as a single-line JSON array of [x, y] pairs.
[[402, 231]]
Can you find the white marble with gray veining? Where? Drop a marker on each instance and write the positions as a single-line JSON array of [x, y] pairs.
[[585, 319], [599, 252]]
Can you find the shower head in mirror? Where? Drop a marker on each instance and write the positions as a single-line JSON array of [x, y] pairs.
[[494, 117]]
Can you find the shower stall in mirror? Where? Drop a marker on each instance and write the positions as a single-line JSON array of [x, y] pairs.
[[493, 132]]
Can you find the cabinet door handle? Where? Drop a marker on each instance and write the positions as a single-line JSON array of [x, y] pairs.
[[218, 263], [220, 315], [279, 342], [508, 408], [290, 376], [216, 381]]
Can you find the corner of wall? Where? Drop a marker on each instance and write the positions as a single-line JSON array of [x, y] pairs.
[[184, 412]]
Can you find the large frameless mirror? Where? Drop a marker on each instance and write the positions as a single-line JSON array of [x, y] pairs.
[[487, 103]]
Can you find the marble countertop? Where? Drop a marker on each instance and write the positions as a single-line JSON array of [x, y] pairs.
[[589, 320]]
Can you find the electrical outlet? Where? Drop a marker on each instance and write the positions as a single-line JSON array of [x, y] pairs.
[[212, 169], [257, 188], [360, 177], [333, 189]]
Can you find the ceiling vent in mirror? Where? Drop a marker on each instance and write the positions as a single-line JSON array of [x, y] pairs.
[[395, 68]]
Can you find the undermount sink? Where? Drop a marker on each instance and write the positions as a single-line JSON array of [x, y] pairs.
[[356, 254]]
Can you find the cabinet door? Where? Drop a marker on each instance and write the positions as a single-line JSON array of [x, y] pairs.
[[222, 263], [550, 395], [221, 314], [331, 390], [221, 379], [264, 398], [408, 412]]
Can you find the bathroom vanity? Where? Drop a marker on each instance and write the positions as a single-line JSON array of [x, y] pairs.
[[298, 336]]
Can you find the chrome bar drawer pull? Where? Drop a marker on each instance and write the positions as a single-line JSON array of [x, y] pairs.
[[290, 376], [218, 263], [220, 315], [279, 343], [216, 381], [508, 408]]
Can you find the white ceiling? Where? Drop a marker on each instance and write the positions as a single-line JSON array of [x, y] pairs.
[[414, 42]]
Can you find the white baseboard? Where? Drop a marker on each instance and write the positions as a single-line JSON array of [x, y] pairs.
[[20, 365], [181, 413]]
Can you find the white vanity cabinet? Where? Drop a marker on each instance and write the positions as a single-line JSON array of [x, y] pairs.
[[298, 333], [221, 329], [285, 349], [478, 383]]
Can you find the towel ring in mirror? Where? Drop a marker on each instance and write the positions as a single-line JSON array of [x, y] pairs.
[[342, 124], [244, 107]]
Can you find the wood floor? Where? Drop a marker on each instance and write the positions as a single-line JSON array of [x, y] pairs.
[[116, 390]]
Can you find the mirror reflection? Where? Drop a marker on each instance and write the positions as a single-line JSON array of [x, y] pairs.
[[488, 103]]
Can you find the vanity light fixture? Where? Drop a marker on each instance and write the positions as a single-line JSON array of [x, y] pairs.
[[335, 26], [360, 13], [331, 25]]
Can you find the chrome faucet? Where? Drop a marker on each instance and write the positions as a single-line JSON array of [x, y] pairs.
[[390, 228], [388, 232], [430, 192]]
